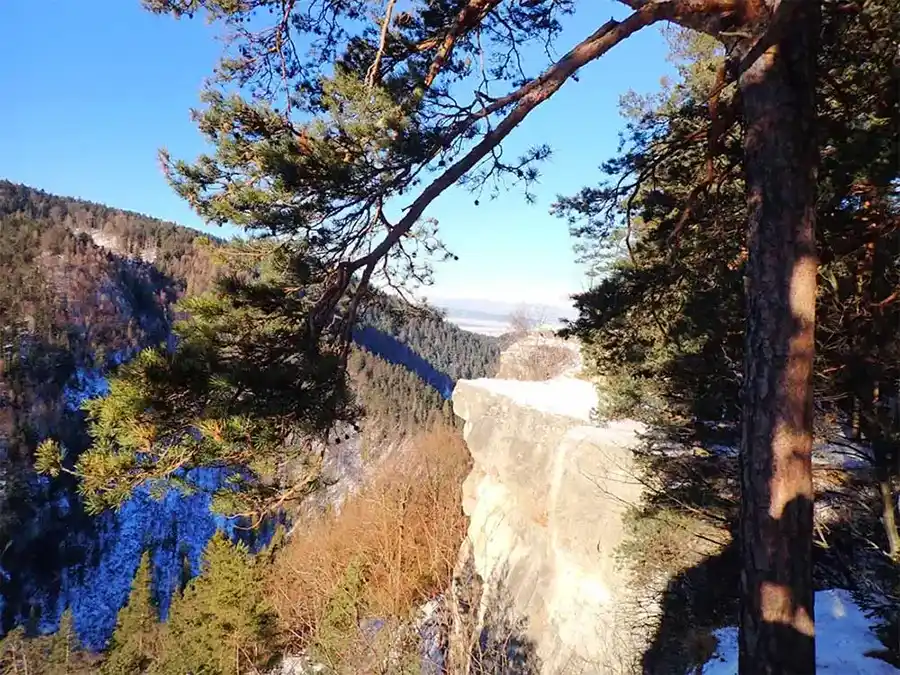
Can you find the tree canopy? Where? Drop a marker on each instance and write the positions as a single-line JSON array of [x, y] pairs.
[[648, 321], [134, 643], [241, 391], [329, 117]]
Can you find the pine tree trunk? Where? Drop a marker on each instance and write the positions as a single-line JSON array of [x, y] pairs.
[[889, 517], [778, 94]]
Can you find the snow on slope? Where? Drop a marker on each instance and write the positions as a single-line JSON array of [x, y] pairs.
[[843, 637]]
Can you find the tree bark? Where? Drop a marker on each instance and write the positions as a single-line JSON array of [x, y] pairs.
[[778, 94], [889, 518]]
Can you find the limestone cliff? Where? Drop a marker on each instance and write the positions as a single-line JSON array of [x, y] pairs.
[[546, 499]]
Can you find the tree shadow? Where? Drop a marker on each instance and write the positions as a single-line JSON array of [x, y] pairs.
[[705, 596], [487, 636], [393, 351], [683, 531], [503, 646], [694, 604]]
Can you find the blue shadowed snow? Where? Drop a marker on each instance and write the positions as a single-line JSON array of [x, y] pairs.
[[87, 383], [394, 351], [84, 384], [175, 529], [99, 561], [91, 568]]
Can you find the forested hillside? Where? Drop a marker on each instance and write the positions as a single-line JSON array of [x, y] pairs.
[[71, 309], [459, 354], [181, 262], [85, 289], [394, 397], [68, 308], [177, 251]]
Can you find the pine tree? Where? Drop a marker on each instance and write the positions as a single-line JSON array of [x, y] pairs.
[[62, 646], [15, 655], [650, 325], [221, 624], [56, 654], [133, 646], [242, 380]]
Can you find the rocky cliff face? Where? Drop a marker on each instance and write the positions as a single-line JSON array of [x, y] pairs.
[[546, 500]]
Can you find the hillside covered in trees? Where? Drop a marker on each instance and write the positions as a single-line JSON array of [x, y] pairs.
[[68, 308], [176, 251], [87, 290], [459, 354]]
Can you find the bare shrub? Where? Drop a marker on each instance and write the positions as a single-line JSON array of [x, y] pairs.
[[391, 547], [537, 357], [545, 361], [532, 351], [523, 320]]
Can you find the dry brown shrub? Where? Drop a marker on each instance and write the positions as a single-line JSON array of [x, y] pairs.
[[401, 534], [536, 358], [546, 361]]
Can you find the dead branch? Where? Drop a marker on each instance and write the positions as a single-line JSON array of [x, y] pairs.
[[372, 73]]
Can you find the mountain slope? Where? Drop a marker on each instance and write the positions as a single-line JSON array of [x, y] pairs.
[[174, 250], [85, 287], [450, 350], [436, 350]]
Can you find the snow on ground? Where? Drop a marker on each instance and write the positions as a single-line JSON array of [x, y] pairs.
[[490, 327], [562, 396], [565, 396], [84, 384], [843, 637], [845, 454]]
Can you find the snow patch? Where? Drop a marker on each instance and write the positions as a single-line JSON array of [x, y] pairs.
[[843, 638], [844, 454], [85, 383], [564, 396]]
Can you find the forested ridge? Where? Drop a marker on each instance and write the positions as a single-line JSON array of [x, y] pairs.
[[55, 264], [86, 290], [69, 305], [67, 308], [69, 302], [175, 250], [459, 354]]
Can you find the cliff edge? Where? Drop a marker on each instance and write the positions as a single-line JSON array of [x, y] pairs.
[[546, 499]]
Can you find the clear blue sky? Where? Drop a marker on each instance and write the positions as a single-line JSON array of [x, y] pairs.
[[92, 88]]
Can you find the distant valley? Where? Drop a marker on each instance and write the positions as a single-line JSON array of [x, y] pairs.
[[490, 317]]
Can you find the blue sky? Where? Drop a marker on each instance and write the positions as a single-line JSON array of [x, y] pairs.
[[93, 89]]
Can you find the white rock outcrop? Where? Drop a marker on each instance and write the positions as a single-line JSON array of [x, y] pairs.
[[546, 498]]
